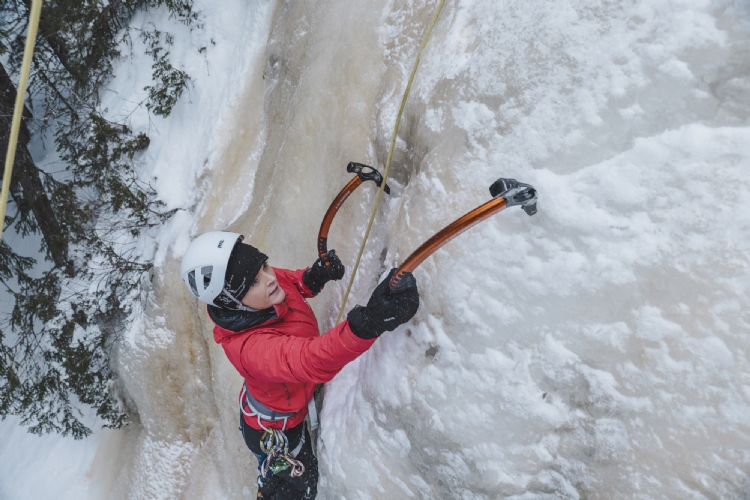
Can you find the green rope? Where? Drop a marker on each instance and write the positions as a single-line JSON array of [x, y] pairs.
[[390, 155]]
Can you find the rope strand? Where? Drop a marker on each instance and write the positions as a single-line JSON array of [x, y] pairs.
[[390, 156]]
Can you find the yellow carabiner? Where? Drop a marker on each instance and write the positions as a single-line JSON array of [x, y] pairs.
[[266, 441]]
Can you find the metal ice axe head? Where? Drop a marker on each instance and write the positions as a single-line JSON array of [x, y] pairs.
[[367, 173], [515, 193]]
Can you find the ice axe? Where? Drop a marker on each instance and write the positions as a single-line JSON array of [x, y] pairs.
[[505, 193], [364, 173]]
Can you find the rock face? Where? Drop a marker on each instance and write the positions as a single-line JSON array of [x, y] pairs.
[[596, 350]]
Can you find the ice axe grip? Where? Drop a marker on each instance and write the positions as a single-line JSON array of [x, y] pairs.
[[364, 173], [505, 193]]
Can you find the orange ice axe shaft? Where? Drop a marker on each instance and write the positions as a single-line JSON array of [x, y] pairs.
[[505, 193], [364, 173]]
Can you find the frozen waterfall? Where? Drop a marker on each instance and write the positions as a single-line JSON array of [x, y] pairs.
[[597, 350]]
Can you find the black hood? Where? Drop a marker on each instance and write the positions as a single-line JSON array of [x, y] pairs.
[[236, 321]]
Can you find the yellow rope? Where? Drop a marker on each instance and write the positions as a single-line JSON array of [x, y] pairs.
[[36, 9], [390, 155]]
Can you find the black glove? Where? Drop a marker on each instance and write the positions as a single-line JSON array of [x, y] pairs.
[[320, 274], [385, 310]]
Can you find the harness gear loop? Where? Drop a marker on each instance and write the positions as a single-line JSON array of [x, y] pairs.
[[275, 446], [257, 409], [390, 156], [28, 53], [273, 442]]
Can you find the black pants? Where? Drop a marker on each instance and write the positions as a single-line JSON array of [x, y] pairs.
[[283, 486]]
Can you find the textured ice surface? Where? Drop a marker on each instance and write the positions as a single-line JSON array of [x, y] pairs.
[[596, 350], [599, 349]]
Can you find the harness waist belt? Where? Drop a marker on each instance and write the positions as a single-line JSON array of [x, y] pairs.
[[262, 410]]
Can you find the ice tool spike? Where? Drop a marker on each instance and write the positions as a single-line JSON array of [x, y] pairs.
[[515, 194]]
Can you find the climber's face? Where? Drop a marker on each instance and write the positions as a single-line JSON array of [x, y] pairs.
[[265, 290]]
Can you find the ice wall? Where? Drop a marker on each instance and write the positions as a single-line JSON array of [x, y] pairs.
[[596, 350], [593, 351]]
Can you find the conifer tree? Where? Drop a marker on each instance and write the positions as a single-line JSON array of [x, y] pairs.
[[71, 302]]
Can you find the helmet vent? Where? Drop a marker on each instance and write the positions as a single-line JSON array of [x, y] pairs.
[[191, 280], [206, 272]]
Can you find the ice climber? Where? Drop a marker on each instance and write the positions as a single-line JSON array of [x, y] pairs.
[[270, 335]]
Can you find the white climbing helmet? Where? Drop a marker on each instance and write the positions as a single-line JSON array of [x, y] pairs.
[[204, 264]]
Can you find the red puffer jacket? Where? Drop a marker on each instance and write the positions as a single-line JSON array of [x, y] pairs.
[[283, 358]]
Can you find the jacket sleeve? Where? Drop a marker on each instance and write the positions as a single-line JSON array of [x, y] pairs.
[[296, 278], [275, 357]]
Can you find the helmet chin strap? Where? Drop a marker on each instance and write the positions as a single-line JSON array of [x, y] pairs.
[[240, 305]]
